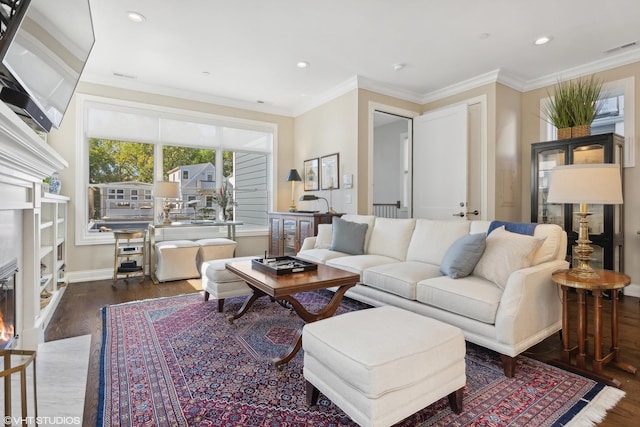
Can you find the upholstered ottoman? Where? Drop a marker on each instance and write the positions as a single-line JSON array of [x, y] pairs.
[[176, 259], [381, 365], [220, 282], [218, 248]]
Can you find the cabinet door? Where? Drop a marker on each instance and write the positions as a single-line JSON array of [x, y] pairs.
[[306, 228], [289, 229], [545, 160], [275, 232]]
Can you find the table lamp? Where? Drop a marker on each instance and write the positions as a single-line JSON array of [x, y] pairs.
[[596, 183], [293, 177], [307, 197], [167, 190]]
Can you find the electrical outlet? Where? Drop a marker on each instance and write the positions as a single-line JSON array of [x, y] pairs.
[[347, 199]]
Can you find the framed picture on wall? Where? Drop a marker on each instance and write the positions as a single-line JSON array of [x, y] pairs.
[[329, 171], [311, 175]]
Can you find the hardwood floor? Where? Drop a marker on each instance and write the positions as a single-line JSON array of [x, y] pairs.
[[78, 314]]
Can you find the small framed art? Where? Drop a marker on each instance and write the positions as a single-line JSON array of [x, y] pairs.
[[311, 175], [330, 171]]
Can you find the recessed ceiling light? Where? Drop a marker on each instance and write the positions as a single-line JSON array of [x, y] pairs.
[[303, 64], [398, 67], [136, 17], [542, 40]]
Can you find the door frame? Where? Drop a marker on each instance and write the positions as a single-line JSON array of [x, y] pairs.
[[390, 109], [487, 150]]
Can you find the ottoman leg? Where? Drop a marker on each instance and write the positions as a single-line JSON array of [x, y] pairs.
[[312, 394], [220, 305], [455, 400]]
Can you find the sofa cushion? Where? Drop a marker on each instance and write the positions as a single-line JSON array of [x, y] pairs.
[[324, 236], [505, 253], [549, 250], [463, 255], [471, 296], [348, 237], [399, 278], [359, 263], [431, 239], [390, 237], [319, 255], [362, 219]]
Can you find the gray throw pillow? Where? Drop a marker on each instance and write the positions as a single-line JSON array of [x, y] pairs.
[[348, 237], [463, 255]]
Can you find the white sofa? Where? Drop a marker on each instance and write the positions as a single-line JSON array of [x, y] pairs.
[[400, 266]]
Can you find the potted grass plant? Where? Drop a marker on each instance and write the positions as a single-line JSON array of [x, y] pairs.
[[573, 106]]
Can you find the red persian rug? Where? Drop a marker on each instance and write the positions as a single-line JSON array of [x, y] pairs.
[[178, 362]]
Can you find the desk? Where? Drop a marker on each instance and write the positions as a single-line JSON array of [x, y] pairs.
[[607, 281], [231, 234]]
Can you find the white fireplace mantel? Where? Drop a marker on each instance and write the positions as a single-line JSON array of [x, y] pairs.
[[23, 153], [25, 160]]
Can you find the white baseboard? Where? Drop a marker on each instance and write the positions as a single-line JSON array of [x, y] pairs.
[[89, 275], [633, 290]]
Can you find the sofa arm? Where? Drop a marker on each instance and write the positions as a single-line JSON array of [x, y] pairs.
[[308, 243], [530, 303]]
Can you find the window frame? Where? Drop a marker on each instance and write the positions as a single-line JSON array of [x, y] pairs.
[[83, 103]]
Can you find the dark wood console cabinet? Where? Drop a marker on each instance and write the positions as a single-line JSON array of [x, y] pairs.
[[287, 230]]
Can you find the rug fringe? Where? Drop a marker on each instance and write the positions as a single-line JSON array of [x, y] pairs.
[[596, 411]]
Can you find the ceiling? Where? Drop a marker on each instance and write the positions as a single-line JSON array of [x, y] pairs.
[[244, 52]]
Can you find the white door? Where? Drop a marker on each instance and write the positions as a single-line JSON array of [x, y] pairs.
[[440, 141]]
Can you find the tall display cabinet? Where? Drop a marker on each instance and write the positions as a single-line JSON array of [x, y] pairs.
[[606, 221]]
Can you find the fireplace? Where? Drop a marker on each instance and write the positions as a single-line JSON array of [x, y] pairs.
[[8, 304]]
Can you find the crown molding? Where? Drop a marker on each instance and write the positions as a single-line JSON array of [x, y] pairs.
[[483, 79], [361, 82], [134, 85], [333, 93], [378, 87], [613, 61]]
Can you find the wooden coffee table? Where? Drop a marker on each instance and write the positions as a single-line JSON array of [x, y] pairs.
[[283, 288]]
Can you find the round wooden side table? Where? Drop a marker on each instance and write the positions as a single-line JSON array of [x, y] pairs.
[[606, 280]]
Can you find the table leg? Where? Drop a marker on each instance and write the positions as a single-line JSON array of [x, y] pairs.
[[597, 332], [582, 329], [257, 293], [566, 351], [325, 312]]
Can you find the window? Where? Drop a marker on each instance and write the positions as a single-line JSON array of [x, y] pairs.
[[130, 146], [616, 115]]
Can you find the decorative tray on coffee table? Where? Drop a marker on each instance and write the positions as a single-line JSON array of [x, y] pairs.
[[283, 265]]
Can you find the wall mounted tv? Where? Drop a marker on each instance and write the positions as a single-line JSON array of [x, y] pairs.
[[43, 51]]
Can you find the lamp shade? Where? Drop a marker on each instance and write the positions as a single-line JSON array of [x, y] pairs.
[[167, 189], [596, 183], [293, 175]]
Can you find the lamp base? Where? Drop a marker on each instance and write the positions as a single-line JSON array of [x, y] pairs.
[[293, 207], [583, 248], [167, 210]]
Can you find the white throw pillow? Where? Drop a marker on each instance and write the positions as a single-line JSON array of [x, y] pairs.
[[323, 238], [505, 252]]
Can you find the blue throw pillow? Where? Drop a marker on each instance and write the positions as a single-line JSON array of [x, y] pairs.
[[463, 255], [348, 237]]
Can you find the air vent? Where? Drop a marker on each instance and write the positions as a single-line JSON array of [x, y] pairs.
[[125, 76], [623, 46]]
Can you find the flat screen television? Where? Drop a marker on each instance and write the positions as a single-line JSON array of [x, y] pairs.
[[43, 51]]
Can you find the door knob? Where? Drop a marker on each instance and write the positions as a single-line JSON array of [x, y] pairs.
[[460, 214]]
